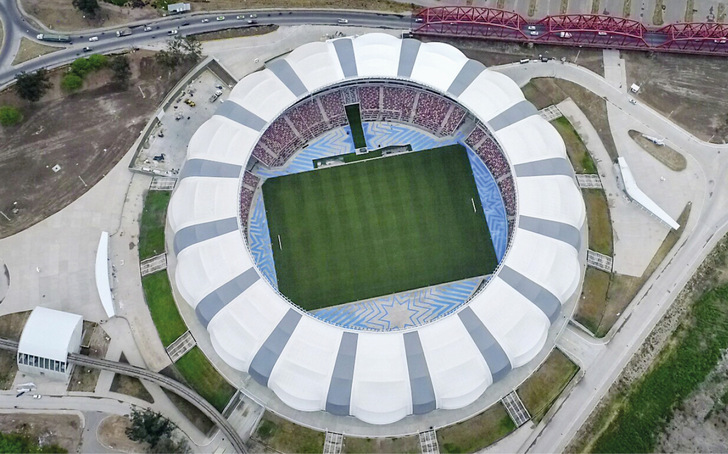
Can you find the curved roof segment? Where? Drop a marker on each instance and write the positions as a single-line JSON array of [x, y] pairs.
[[378, 377]]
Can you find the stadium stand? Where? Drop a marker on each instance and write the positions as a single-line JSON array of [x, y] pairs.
[[431, 111]]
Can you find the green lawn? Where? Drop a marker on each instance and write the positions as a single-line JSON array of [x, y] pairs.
[[477, 432], [357, 133], [151, 227], [377, 227], [205, 379], [165, 315], [285, 436], [543, 387], [580, 158]]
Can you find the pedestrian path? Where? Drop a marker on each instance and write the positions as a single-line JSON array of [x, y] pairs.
[[599, 261], [515, 408], [428, 442], [153, 264], [589, 181], [182, 345]]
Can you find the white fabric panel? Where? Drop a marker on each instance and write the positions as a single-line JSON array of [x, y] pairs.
[[302, 375], [490, 94], [541, 142], [201, 199], [238, 331], [380, 392], [316, 64], [554, 197], [437, 65], [205, 266], [263, 94], [516, 323], [223, 140], [458, 371], [555, 267], [377, 55]]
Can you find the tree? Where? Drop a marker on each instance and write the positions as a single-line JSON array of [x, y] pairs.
[[121, 71], [10, 116], [97, 61], [180, 50], [90, 7], [81, 67], [149, 427], [191, 48], [71, 82], [32, 86]]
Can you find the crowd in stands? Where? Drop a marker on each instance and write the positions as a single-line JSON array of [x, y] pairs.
[[251, 180], [250, 183], [488, 150], [509, 194], [431, 111], [398, 103], [453, 120]]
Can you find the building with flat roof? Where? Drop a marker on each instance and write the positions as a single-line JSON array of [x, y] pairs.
[[178, 8], [48, 337]]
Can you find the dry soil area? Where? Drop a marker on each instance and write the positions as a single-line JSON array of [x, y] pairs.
[[62, 16], [690, 90], [85, 134], [112, 434], [62, 430]]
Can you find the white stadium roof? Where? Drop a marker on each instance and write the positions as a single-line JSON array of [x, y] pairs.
[[48, 333], [378, 377]]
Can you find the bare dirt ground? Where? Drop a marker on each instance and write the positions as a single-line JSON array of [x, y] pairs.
[[85, 379], [86, 134], [62, 16], [690, 90], [492, 53], [30, 49], [62, 430], [112, 434], [663, 153], [713, 272]]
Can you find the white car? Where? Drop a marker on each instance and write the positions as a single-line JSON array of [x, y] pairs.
[[343, 21], [93, 38], [632, 101], [147, 28], [173, 32], [204, 21], [220, 18], [532, 33], [531, 27], [602, 33]]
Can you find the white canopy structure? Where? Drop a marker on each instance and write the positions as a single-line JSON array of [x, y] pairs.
[[636, 194], [378, 377], [47, 339]]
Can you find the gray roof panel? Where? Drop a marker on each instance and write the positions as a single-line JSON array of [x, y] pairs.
[[542, 298], [544, 167], [423, 394], [283, 71], [492, 352], [407, 56], [513, 114], [198, 233], [552, 229], [213, 303], [267, 357], [465, 77], [207, 168], [338, 399], [345, 51], [237, 113]]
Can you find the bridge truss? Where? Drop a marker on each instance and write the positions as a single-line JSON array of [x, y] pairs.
[[583, 30]]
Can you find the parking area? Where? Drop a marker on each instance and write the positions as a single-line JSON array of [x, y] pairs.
[[165, 149]]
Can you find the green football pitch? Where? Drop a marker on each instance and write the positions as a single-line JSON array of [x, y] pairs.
[[377, 227]]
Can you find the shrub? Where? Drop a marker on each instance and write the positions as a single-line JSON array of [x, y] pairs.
[[10, 116], [81, 67], [97, 61], [71, 82]]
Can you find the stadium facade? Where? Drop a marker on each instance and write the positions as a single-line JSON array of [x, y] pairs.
[[378, 377]]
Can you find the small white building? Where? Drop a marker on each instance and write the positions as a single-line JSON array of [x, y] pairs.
[[48, 337], [178, 8]]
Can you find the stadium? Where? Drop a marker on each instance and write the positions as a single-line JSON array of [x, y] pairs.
[[377, 227]]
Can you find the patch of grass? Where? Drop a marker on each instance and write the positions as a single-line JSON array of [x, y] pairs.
[[8, 369], [353, 115], [83, 380], [15, 442], [592, 304], [627, 8], [532, 7], [564, 6], [192, 413], [386, 225], [30, 49], [689, 10], [700, 342], [284, 436], [10, 116], [543, 387], [544, 91], [382, 445], [720, 14], [595, 7], [599, 221], [663, 153], [158, 293], [657, 15], [477, 432], [11, 325], [151, 226], [237, 32], [580, 158], [205, 379]]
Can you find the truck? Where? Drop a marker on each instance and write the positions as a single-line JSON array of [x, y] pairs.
[[54, 38], [124, 32]]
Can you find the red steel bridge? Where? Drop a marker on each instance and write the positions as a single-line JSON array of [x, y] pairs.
[[584, 30]]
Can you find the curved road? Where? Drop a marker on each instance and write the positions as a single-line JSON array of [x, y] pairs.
[[159, 379]]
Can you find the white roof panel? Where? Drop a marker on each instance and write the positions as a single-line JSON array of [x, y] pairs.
[[555, 198], [202, 199], [316, 64], [222, 140], [377, 55], [542, 141], [48, 333], [263, 94], [490, 94], [437, 65]]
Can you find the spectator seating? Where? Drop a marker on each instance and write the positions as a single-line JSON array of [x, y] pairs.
[[431, 111]]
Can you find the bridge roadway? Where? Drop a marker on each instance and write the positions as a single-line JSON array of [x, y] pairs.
[[157, 378]]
